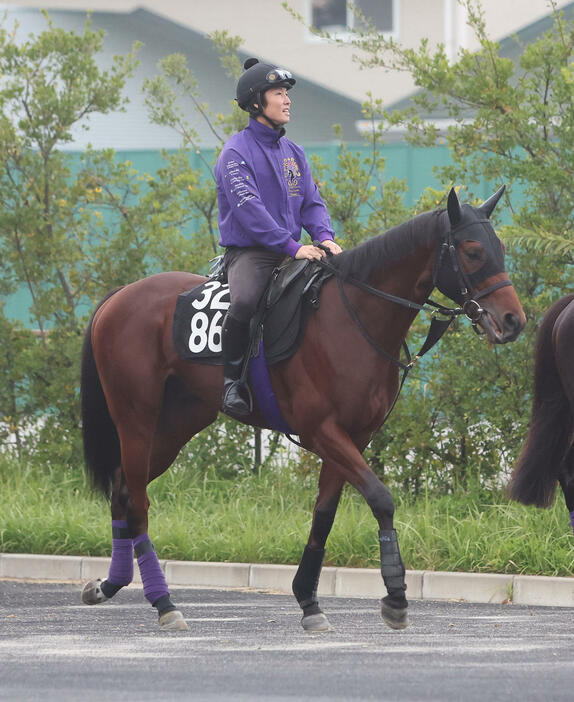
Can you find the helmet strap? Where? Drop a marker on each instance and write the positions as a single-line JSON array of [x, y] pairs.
[[275, 125], [258, 112]]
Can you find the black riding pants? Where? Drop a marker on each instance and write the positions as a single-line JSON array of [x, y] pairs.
[[248, 274]]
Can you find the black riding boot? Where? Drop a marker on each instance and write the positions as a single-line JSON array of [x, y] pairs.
[[235, 339]]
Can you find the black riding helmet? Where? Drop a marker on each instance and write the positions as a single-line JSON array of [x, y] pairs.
[[258, 78]]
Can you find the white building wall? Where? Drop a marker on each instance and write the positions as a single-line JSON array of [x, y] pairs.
[[270, 33]]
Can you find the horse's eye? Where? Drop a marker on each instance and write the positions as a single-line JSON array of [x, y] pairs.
[[473, 255]]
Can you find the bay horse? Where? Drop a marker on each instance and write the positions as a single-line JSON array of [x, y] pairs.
[[547, 455], [141, 402]]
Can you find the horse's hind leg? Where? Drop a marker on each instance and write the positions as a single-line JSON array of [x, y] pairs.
[[121, 571], [136, 450], [566, 479], [306, 580], [181, 417]]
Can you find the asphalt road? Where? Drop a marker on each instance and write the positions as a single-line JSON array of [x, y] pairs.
[[245, 645]]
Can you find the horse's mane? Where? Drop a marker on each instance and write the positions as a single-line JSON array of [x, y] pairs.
[[382, 250]]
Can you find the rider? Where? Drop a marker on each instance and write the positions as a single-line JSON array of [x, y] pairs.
[[266, 194]]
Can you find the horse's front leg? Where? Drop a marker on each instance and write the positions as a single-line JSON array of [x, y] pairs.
[[336, 447], [306, 579]]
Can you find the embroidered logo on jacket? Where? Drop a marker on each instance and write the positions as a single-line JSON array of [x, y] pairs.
[[238, 184], [292, 176]]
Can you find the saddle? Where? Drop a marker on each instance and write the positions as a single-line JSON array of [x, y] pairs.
[[278, 324]]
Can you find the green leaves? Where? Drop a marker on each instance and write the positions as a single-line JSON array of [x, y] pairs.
[[464, 412], [511, 121], [73, 226]]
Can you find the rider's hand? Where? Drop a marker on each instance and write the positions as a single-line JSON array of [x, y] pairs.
[[332, 246], [310, 252]]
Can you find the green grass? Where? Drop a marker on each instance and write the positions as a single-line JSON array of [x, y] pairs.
[[266, 519]]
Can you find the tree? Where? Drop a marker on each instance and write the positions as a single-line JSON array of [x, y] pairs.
[[512, 123], [50, 85], [72, 226]]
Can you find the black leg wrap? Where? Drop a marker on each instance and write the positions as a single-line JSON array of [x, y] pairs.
[[143, 547], [306, 580], [109, 589], [164, 604], [120, 533], [392, 567]]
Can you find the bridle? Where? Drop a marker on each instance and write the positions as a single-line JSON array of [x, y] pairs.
[[442, 316], [470, 295]]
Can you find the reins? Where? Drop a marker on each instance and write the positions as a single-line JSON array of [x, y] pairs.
[[437, 329], [470, 307]]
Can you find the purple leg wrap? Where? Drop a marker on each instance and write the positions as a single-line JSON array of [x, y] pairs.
[[572, 519], [122, 566], [153, 579]]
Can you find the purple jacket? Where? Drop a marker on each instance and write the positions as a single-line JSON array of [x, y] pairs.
[[266, 192]]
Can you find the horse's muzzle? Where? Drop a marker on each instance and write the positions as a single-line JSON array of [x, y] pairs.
[[503, 333]]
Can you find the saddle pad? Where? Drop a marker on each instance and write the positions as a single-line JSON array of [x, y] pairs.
[[197, 322], [199, 315]]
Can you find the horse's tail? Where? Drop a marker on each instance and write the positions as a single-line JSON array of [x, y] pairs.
[[101, 442], [535, 475]]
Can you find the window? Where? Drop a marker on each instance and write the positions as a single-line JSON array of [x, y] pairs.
[[337, 17]]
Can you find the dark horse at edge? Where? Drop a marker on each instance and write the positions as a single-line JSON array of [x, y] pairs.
[[547, 455], [142, 403]]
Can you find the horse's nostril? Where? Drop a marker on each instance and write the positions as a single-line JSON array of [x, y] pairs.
[[512, 323]]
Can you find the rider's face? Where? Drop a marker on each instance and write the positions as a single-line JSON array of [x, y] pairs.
[[278, 105]]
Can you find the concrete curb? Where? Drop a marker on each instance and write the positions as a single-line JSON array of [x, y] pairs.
[[342, 582]]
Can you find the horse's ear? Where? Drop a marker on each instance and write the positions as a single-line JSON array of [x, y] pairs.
[[488, 205], [453, 208]]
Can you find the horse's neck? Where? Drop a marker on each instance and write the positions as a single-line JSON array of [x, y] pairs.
[[410, 277]]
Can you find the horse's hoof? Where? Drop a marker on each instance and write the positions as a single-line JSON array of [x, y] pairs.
[[315, 623], [172, 621], [395, 618], [92, 593]]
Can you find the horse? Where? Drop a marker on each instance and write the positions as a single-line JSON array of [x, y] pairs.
[[141, 402], [546, 458]]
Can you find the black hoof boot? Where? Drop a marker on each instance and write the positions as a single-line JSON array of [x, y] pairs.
[[316, 623], [395, 617]]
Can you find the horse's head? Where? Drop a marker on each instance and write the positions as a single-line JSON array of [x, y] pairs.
[[469, 267]]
